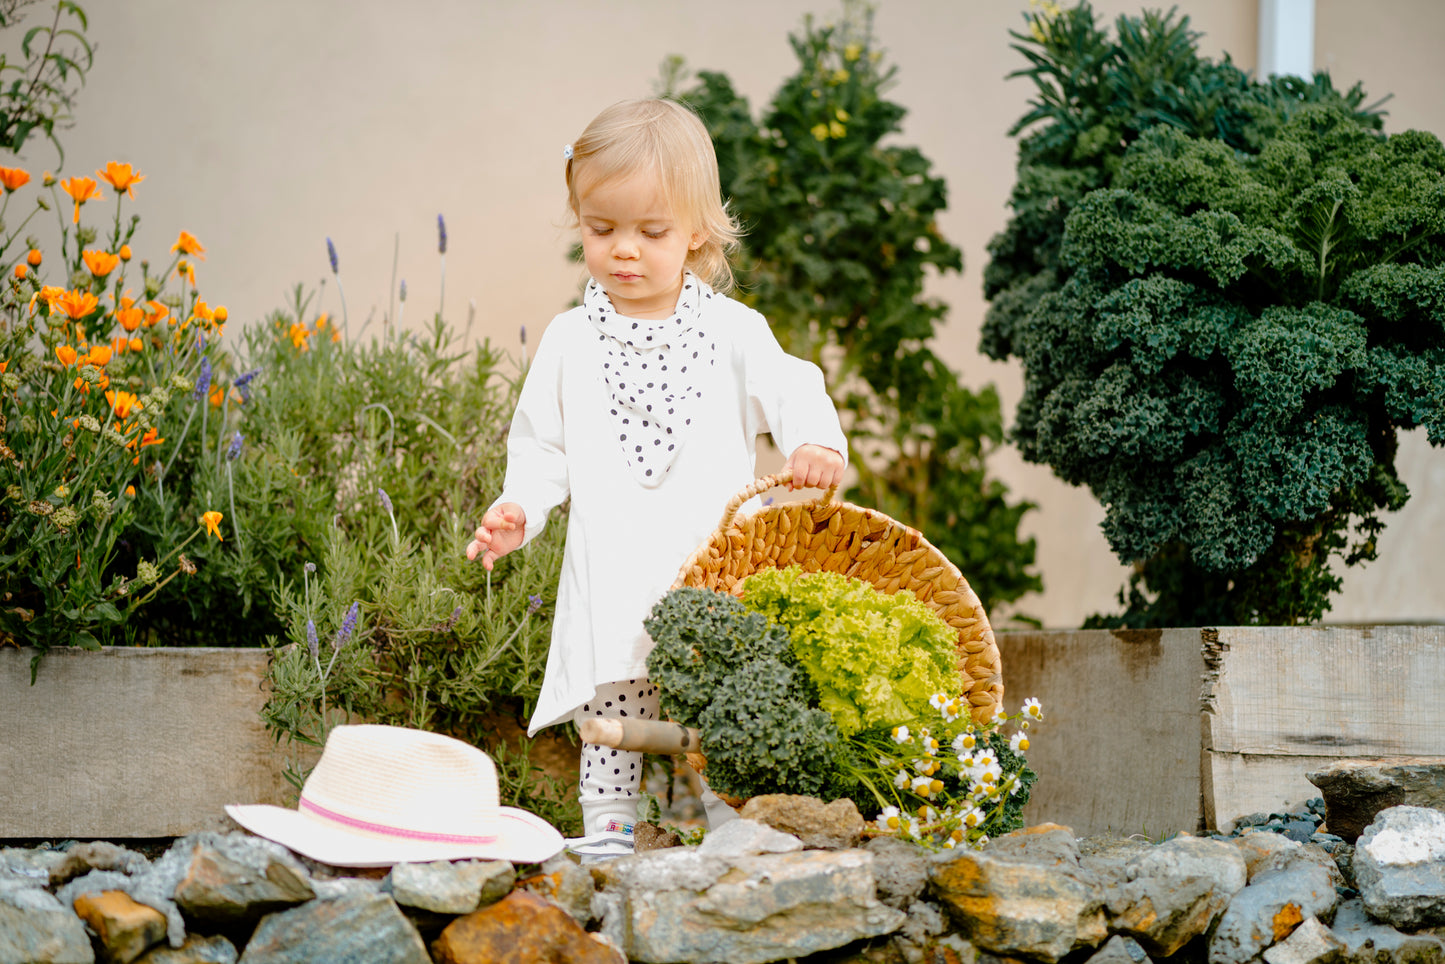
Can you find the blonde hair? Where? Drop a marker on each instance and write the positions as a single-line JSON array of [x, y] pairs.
[[667, 139]]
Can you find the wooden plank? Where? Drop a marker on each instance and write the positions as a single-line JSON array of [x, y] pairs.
[[1119, 746]]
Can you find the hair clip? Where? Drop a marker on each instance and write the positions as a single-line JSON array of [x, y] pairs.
[[567, 152]]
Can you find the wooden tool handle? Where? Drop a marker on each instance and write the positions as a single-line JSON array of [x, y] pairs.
[[646, 736]]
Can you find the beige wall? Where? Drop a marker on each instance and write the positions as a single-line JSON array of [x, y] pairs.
[[265, 127]]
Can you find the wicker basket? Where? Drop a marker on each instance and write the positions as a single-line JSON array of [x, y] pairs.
[[824, 535]]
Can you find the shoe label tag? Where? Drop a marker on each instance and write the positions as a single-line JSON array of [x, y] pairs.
[[617, 826]]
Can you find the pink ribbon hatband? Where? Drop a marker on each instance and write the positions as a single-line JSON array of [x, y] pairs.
[[381, 828]]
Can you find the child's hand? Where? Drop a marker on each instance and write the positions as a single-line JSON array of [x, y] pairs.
[[501, 531], [815, 466]]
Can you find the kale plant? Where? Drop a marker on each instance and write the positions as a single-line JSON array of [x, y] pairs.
[[1227, 296]]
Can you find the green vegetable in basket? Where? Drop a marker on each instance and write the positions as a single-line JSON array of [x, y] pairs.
[[876, 658]]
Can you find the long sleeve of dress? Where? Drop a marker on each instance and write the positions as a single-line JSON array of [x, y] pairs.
[[537, 477], [787, 396]]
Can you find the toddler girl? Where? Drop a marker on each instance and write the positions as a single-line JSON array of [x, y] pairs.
[[643, 405]]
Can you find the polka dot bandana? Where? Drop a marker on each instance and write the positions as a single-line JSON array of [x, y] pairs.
[[652, 370]]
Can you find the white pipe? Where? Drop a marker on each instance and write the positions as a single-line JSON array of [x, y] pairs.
[[1286, 38]]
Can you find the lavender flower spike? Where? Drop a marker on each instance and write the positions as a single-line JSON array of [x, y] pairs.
[[534, 603], [524, 336], [234, 452], [348, 626], [441, 235], [331, 255], [385, 499], [203, 381], [403, 290], [312, 645]]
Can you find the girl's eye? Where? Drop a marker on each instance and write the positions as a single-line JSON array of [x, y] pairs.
[[600, 232], [656, 234]]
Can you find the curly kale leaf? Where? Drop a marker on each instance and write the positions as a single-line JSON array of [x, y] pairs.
[[700, 636], [760, 735]]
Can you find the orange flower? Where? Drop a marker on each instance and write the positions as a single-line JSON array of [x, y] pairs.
[[20, 270], [4, 365], [121, 177], [100, 263], [187, 244], [217, 396], [129, 318], [66, 354], [321, 321], [13, 178], [222, 314], [124, 252], [151, 437], [212, 521], [77, 304], [203, 312], [136, 344], [82, 189], [185, 270], [130, 490], [298, 335], [99, 355], [157, 313], [118, 345], [122, 403], [34, 257]]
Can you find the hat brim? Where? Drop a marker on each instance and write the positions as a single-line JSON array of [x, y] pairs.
[[515, 835]]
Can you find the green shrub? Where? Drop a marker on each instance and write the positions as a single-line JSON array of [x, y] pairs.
[[1225, 296]]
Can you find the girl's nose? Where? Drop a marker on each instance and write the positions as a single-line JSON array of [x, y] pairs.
[[624, 248]]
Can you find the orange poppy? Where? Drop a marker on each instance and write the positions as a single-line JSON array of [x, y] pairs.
[[77, 304], [129, 318], [66, 354], [212, 521], [157, 312], [123, 403], [187, 244], [100, 263], [34, 257], [121, 177], [82, 189], [13, 178]]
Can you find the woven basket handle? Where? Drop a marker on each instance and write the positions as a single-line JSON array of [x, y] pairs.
[[762, 485]]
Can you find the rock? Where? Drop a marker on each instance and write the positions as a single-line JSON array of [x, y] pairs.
[[1400, 867], [448, 887], [125, 928], [1164, 913], [364, 927], [32, 865], [35, 928], [745, 909], [1268, 910], [649, 836], [1265, 851], [924, 920], [743, 838], [1181, 857], [1368, 942], [570, 887], [151, 888], [1311, 943], [1120, 950], [833, 826], [1355, 791], [900, 869], [222, 891], [1025, 896], [96, 855], [195, 950], [520, 929], [1108, 856]]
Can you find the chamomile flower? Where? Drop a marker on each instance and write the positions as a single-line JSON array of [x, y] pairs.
[[1031, 708], [900, 779], [1018, 743], [964, 741], [888, 819], [972, 817], [923, 786], [937, 700], [900, 734]]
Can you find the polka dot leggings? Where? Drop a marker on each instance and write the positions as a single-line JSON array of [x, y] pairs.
[[611, 779]]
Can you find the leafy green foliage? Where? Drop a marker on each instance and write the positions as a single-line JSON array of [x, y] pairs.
[[38, 92], [1226, 299], [842, 235], [875, 657]]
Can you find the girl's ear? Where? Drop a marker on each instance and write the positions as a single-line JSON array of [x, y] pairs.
[[696, 241]]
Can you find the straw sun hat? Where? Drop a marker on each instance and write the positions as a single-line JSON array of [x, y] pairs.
[[383, 795]]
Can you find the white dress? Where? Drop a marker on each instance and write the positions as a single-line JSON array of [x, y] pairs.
[[626, 542]]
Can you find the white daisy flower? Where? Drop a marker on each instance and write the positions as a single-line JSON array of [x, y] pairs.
[[1018, 743], [1033, 709], [900, 734], [888, 819], [900, 779]]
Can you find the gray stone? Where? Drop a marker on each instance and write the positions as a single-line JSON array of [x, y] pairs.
[[1164, 913], [1269, 909], [1368, 942], [677, 868], [744, 838], [1355, 791], [1185, 856], [1034, 905], [20, 864], [570, 887], [1311, 943], [1400, 867], [832, 826], [221, 890], [925, 920], [448, 887], [96, 855], [1120, 950], [1107, 856], [1044, 844], [762, 909], [195, 950], [368, 928], [336, 888], [900, 868], [152, 888], [35, 928]]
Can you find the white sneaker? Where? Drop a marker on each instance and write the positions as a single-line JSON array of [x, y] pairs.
[[604, 845]]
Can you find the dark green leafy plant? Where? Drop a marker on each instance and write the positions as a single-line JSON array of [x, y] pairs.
[[841, 236], [1226, 297], [38, 92]]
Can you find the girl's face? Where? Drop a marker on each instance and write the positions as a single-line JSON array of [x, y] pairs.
[[633, 245]]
